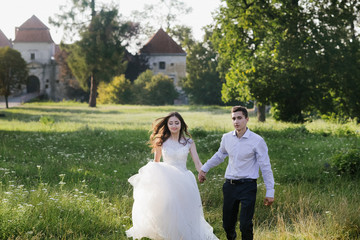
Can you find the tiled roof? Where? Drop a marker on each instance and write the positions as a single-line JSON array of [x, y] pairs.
[[162, 43], [33, 30], [4, 41]]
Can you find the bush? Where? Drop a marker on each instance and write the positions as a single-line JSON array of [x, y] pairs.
[[161, 90], [118, 91], [347, 162], [153, 89]]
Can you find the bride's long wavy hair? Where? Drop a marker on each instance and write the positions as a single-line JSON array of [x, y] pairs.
[[161, 132]]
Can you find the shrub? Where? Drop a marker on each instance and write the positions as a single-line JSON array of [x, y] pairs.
[[161, 90], [347, 162], [153, 89], [118, 91], [140, 94]]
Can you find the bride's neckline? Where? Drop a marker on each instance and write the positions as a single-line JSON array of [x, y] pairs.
[[177, 140]]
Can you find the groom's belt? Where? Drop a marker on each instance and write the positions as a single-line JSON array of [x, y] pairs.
[[239, 181]]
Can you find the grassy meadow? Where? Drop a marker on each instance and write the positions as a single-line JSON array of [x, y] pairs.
[[64, 170]]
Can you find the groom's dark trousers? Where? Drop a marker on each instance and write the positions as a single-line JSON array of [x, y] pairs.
[[239, 192]]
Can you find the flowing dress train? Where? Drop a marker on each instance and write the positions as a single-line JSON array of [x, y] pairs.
[[167, 203]]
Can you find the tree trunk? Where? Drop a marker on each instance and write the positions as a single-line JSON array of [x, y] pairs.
[[6, 101], [93, 92], [261, 112]]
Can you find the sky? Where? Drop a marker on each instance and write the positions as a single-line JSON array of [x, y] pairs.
[[13, 13]]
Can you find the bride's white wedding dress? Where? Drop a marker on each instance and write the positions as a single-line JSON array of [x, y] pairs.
[[167, 202]]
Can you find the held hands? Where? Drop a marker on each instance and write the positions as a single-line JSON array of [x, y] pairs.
[[268, 201], [202, 176]]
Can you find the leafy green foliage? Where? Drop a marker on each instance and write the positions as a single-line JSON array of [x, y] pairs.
[[347, 162], [13, 71], [136, 65], [118, 91], [99, 54], [154, 89], [299, 56], [202, 83]]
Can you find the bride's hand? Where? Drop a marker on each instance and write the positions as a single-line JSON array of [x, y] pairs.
[[202, 176]]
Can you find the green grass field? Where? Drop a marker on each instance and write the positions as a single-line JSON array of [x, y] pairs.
[[64, 170]]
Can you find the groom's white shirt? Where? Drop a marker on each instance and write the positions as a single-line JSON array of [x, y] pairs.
[[246, 155]]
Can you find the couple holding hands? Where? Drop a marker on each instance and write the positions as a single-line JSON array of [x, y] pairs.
[[167, 203]]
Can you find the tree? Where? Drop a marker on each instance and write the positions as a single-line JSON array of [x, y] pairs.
[[241, 36], [136, 65], [163, 13], [13, 71], [183, 35], [339, 55], [273, 52], [202, 83], [99, 54]]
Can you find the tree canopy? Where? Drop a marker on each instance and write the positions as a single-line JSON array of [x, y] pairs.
[[202, 83], [99, 54], [300, 56], [13, 71]]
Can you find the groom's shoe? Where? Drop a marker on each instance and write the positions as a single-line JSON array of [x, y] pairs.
[[231, 236]]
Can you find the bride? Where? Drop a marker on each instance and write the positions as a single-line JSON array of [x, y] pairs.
[[167, 202]]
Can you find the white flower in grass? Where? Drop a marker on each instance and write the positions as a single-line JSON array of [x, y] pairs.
[[38, 167], [62, 175], [62, 183]]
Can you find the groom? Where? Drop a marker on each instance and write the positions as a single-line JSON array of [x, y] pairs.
[[247, 152]]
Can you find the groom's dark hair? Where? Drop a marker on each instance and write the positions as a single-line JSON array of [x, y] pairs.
[[240, 108]]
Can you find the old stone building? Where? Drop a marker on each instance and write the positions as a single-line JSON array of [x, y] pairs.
[[4, 41], [165, 56], [33, 40]]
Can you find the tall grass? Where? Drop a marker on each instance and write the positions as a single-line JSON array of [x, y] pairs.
[[64, 170]]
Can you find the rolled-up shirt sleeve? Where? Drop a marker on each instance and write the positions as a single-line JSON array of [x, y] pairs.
[[263, 159], [217, 158]]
